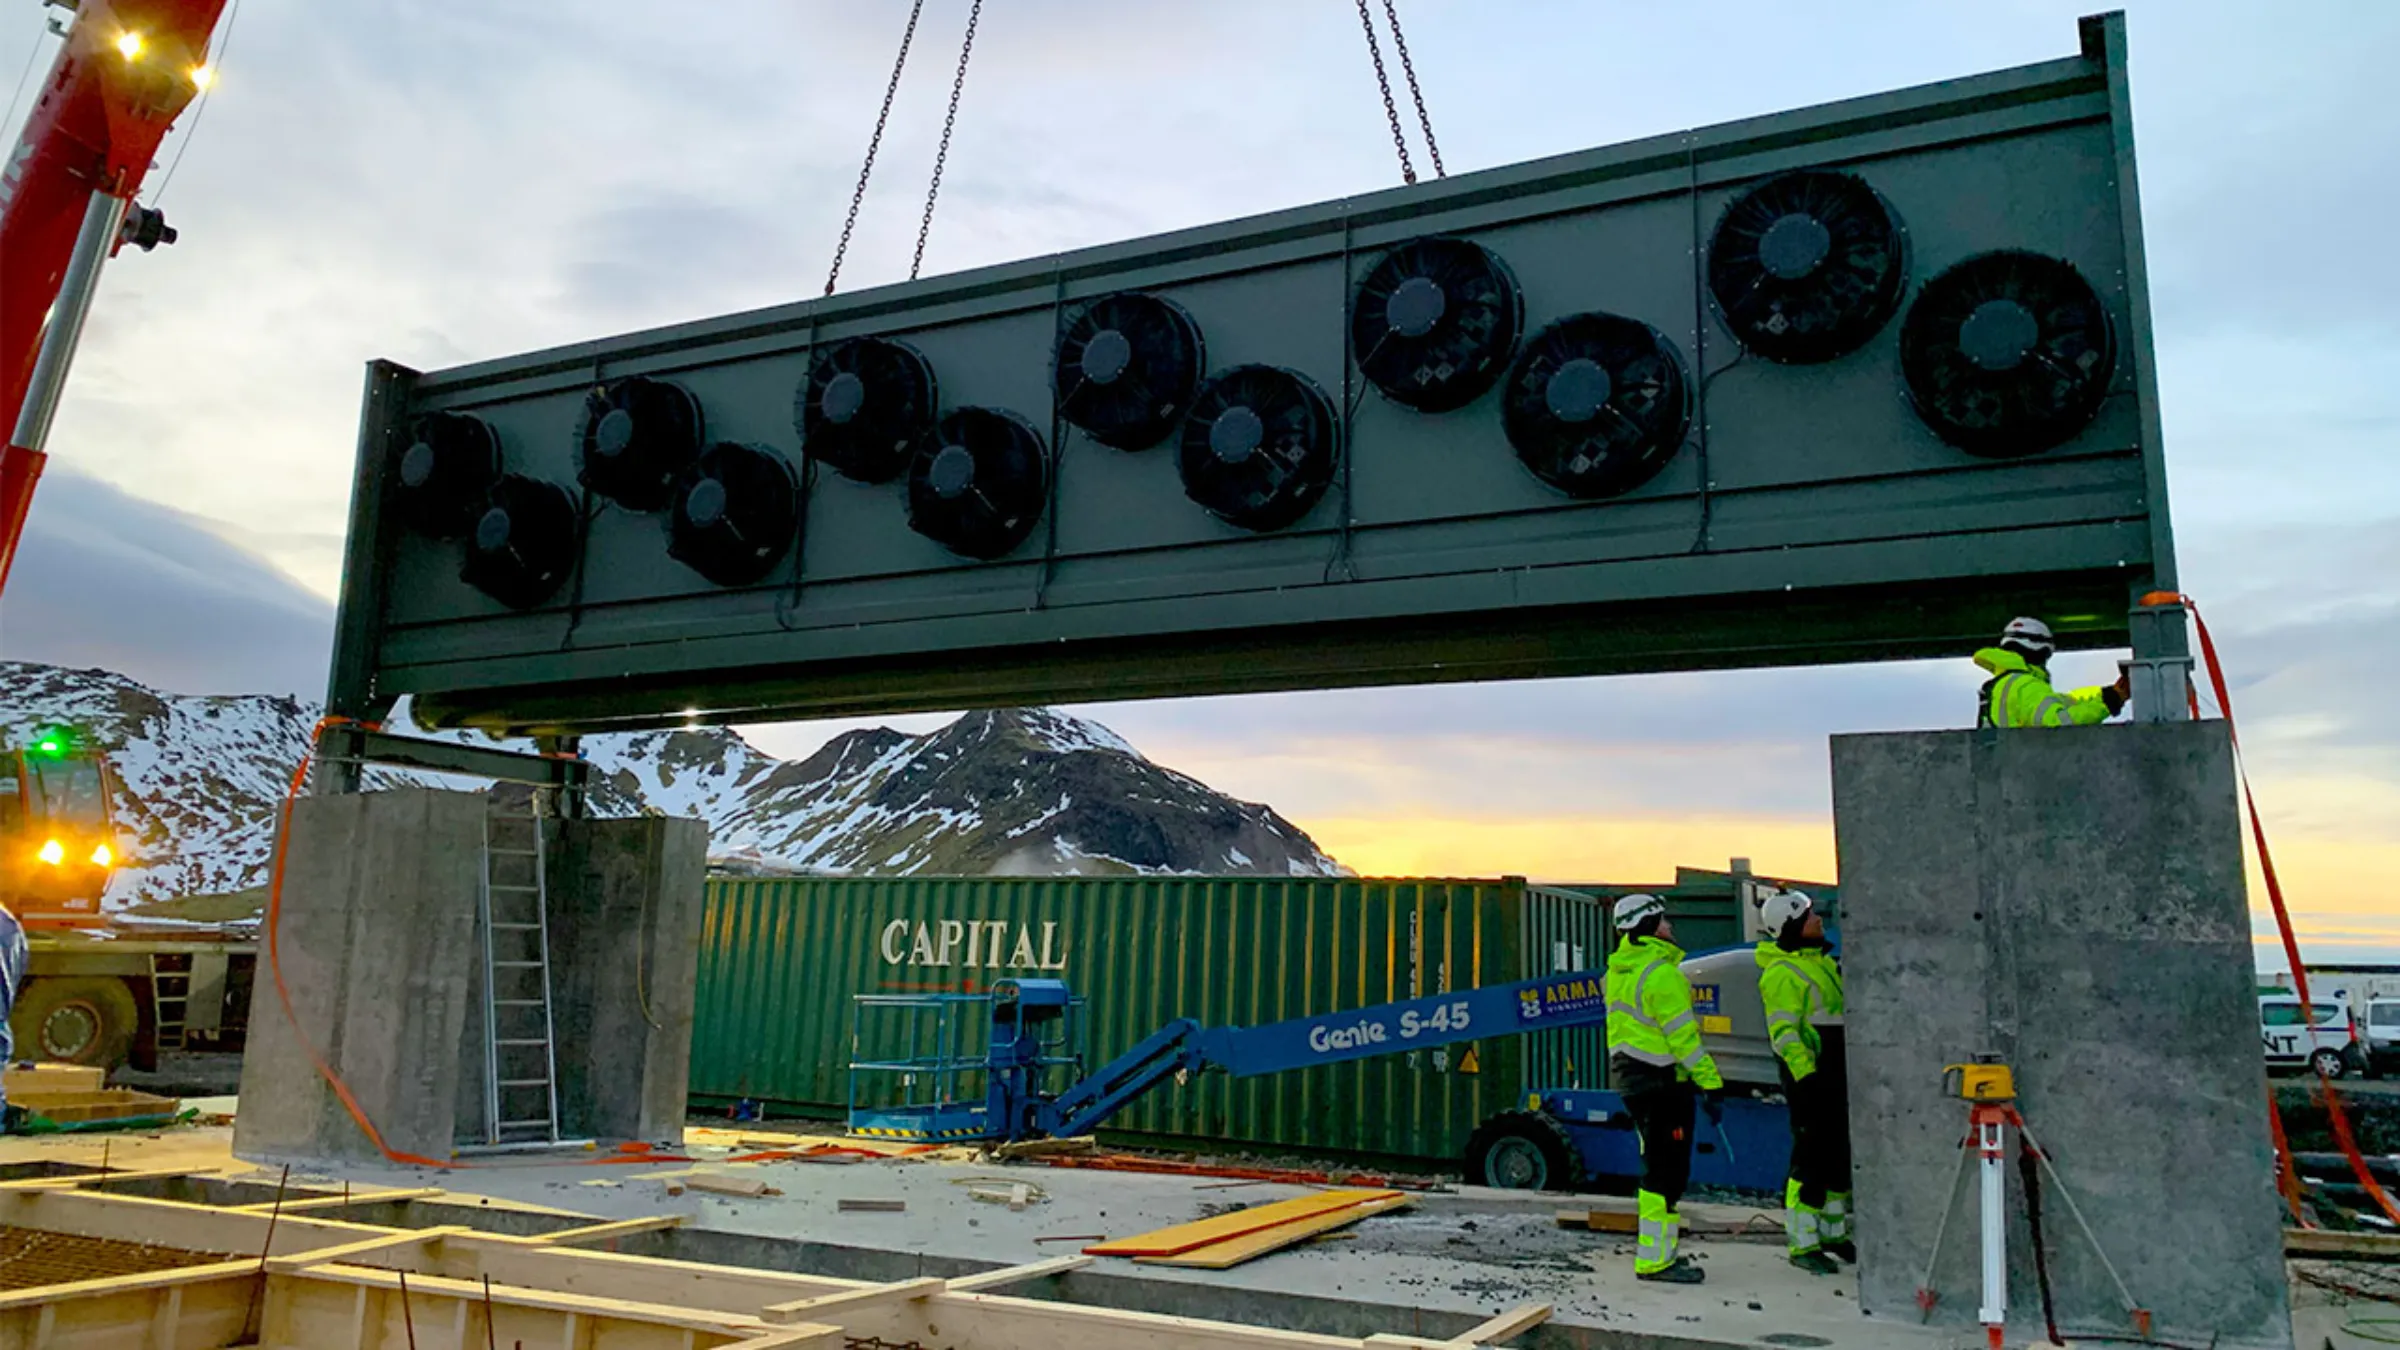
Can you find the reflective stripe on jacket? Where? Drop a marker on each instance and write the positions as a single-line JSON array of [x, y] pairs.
[[2019, 695], [1799, 989], [1650, 1017]]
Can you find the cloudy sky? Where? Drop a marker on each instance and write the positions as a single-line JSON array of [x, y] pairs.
[[444, 183]]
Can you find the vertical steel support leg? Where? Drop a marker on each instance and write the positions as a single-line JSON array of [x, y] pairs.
[[2161, 670]]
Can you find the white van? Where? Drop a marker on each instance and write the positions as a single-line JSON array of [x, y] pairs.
[[2382, 1031], [2324, 1040]]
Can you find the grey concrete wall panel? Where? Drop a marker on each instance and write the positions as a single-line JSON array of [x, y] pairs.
[[380, 950], [376, 936], [1809, 516], [2072, 900], [625, 929]]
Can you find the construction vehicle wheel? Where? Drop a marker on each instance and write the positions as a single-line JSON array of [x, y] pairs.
[[1521, 1151], [85, 1020]]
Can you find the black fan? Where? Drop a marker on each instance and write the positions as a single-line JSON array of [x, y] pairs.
[[524, 543], [1596, 404], [866, 403], [639, 435], [2007, 353], [979, 482], [1260, 446], [1126, 368], [735, 513], [1435, 322], [442, 476], [1807, 266]]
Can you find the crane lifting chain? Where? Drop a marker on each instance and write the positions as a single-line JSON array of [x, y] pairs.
[[958, 84], [1383, 82], [883, 117]]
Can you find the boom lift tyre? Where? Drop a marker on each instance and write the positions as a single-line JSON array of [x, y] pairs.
[[1522, 1151]]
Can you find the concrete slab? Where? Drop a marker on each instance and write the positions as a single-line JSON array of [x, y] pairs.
[[1434, 1269], [2073, 901]]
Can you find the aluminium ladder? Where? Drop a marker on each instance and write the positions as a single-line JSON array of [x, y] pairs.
[[520, 1100]]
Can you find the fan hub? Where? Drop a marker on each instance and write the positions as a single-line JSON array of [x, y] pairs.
[[416, 466], [1236, 434], [1106, 356], [845, 394], [1415, 306], [614, 435], [1578, 390], [952, 473], [492, 532], [704, 505], [1794, 246], [1999, 335]]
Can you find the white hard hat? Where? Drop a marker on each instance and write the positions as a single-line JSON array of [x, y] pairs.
[[1633, 909], [1781, 908], [2030, 634]]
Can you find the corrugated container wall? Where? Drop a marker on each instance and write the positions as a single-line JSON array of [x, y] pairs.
[[780, 960]]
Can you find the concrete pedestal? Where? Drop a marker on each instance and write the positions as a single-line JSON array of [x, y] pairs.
[[382, 960], [2072, 900]]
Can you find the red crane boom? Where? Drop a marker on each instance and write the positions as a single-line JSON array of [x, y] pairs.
[[128, 69]]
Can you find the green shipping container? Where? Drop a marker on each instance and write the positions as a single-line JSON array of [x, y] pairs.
[[780, 960]]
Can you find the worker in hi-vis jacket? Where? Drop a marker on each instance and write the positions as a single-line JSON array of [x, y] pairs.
[[2019, 693], [1657, 1064], [1801, 987]]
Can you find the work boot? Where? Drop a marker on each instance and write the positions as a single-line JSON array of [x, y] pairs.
[[1682, 1270], [1816, 1263], [1844, 1249]]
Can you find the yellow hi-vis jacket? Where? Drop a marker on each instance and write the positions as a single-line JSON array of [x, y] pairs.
[[2019, 695], [1801, 990], [1650, 1018]]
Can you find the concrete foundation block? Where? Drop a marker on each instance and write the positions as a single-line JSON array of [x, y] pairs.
[[625, 933], [2073, 901], [375, 937], [378, 942]]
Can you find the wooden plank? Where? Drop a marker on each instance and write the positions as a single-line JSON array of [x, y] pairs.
[[517, 1296], [1184, 1237], [792, 1338], [2353, 1246], [368, 1246], [311, 1202], [827, 1306], [1515, 1322], [93, 1178], [123, 1284], [644, 1279], [1008, 1275], [854, 1205], [602, 1232], [1002, 1320], [1250, 1246]]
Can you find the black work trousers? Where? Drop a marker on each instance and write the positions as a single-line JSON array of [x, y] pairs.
[[1661, 1106], [1820, 1107]]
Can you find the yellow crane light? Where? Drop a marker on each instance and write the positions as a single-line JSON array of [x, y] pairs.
[[102, 856], [203, 77], [129, 45], [52, 852]]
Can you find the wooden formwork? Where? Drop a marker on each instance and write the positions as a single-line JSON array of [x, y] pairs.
[[298, 1280]]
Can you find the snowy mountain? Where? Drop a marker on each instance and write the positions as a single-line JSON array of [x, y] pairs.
[[1022, 791]]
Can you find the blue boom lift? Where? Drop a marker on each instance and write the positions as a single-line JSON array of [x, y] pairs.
[[1562, 1137]]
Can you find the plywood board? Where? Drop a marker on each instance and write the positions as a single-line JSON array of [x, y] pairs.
[[1185, 1237], [1250, 1246]]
